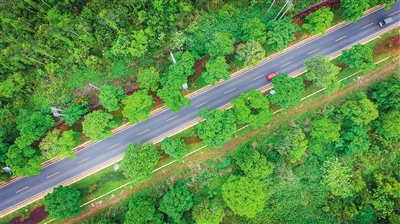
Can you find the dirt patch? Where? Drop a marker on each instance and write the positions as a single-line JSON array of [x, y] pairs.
[[391, 44], [35, 216]]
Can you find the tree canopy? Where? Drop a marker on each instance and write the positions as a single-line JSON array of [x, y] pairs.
[[137, 106], [288, 91], [73, 113], [216, 69], [252, 163], [110, 96], [176, 200], [254, 30], [220, 45], [323, 72], [353, 10], [319, 20], [251, 53], [359, 110], [55, 144], [208, 211], [63, 202], [387, 94], [97, 125], [280, 33], [359, 57], [148, 79], [174, 147], [142, 210]]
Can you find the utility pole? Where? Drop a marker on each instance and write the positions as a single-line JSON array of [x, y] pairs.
[[271, 5], [289, 7], [172, 56], [95, 87]]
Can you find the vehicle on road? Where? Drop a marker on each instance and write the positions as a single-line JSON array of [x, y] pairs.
[[271, 75], [385, 21]]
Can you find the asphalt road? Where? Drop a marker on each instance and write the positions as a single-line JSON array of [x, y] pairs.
[[51, 176]]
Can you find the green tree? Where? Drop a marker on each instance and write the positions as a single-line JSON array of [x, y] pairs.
[[139, 161], [288, 91], [142, 210], [139, 44], [254, 30], [354, 139], [97, 125], [23, 161], [325, 130], [220, 45], [251, 53], [208, 211], [280, 33], [73, 113], [353, 10], [361, 111], [390, 125], [252, 108], [63, 202], [337, 177], [322, 72], [52, 145], [382, 202], [252, 163], [137, 106], [216, 69], [177, 200], [218, 128], [359, 57], [387, 94], [245, 196], [174, 147], [291, 143], [110, 96], [319, 20], [148, 79]]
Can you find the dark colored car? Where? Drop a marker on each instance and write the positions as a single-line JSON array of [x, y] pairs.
[[271, 75]]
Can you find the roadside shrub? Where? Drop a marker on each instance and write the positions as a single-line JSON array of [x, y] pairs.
[[224, 164]]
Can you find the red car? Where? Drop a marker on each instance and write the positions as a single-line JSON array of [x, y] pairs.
[[271, 75]]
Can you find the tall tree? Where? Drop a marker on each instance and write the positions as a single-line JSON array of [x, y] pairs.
[[220, 45], [139, 44], [216, 69], [252, 108], [53, 145], [254, 30], [359, 57], [390, 125], [353, 10], [177, 200], [252, 163], [73, 113], [280, 33], [63, 202], [325, 130], [245, 196], [319, 20], [137, 106], [97, 125], [208, 211], [110, 96], [139, 162], [142, 210], [337, 178], [218, 128], [288, 91], [322, 72], [23, 161], [148, 79], [387, 94], [291, 144], [174, 147], [359, 110], [251, 53]]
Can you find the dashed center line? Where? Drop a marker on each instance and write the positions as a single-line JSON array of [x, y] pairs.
[[313, 51], [229, 91], [53, 175], [83, 160], [340, 38], [21, 189], [258, 77], [143, 132], [367, 25], [201, 104], [112, 146], [172, 118], [286, 64], [394, 13]]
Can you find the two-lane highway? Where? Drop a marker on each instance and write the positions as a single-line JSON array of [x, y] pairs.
[[103, 151]]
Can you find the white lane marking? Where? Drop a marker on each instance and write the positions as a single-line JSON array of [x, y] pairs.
[[313, 51], [201, 104], [83, 160], [394, 13], [21, 189], [286, 64], [367, 25], [229, 91], [172, 118], [53, 175], [258, 77], [143, 132], [340, 38], [112, 146]]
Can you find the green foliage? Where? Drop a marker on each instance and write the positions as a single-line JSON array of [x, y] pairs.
[[139, 162], [254, 30], [142, 210], [288, 91], [354, 139], [110, 96], [224, 164], [208, 211], [137, 106], [63, 202], [220, 45], [252, 108], [382, 203], [218, 128], [319, 20], [53, 145], [23, 161], [216, 69], [325, 130], [139, 44], [387, 94], [291, 144], [353, 10], [359, 57], [245, 196], [149, 78], [174, 147], [251, 53], [73, 113], [97, 125], [390, 125], [360, 110], [176, 200], [12, 85], [252, 163], [280, 33], [322, 72], [337, 178]]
